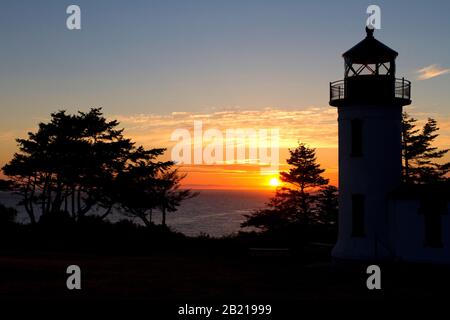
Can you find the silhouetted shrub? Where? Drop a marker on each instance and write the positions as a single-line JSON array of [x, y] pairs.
[[7, 215], [56, 220]]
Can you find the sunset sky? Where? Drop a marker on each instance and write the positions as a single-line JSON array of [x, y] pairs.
[[159, 65]]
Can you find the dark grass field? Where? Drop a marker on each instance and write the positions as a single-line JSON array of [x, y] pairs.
[[199, 277]]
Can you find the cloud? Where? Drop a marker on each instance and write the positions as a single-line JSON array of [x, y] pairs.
[[431, 71], [314, 126]]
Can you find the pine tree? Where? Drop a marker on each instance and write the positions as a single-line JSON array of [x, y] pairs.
[[296, 203], [420, 157], [305, 174], [327, 205], [410, 145]]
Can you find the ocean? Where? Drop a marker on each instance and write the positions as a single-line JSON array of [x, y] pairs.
[[213, 212]]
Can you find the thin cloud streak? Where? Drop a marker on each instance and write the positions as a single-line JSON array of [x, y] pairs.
[[431, 71]]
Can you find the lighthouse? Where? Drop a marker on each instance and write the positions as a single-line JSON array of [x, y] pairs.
[[369, 101]]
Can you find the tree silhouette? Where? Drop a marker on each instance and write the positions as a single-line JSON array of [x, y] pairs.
[[169, 193], [298, 203], [305, 173], [5, 185], [66, 164], [7, 215], [327, 205], [76, 163], [136, 185], [419, 155], [281, 211], [146, 185]]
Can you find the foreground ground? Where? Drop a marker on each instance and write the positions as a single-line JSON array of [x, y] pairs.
[[214, 277]]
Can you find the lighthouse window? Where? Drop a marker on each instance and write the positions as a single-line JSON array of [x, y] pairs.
[[432, 209], [356, 136], [358, 215]]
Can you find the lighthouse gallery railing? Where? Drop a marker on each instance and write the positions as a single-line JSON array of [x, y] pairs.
[[402, 89]]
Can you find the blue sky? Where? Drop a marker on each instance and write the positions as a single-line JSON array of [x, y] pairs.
[[162, 56], [157, 57]]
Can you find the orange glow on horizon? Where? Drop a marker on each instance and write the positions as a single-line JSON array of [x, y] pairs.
[[317, 127]]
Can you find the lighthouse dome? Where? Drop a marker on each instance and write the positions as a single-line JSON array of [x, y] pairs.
[[369, 51]]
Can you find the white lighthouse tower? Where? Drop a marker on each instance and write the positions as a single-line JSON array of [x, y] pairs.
[[369, 102]]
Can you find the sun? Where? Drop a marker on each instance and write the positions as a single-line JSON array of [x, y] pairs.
[[274, 182]]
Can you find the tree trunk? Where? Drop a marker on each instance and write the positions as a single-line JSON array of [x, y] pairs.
[[44, 196], [66, 205], [143, 218], [28, 203], [57, 201], [163, 216], [73, 202], [108, 211]]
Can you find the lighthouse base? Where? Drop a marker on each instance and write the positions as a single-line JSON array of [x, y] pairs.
[[361, 249]]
